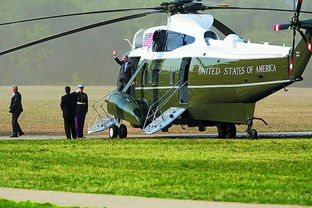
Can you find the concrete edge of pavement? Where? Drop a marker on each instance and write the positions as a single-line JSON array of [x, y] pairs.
[[111, 201]]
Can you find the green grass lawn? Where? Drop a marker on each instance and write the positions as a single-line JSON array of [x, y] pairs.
[[27, 204], [262, 171]]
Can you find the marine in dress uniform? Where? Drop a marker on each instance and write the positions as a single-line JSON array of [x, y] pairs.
[[16, 109], [68, 106], [81, 110]]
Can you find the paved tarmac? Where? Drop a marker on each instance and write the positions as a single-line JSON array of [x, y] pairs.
[[274, 135], [109, 201]]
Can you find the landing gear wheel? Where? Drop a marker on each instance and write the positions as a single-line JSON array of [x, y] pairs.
[[202, 128], [166, 129], [123, 131], [221, 131], [253, 134], [113, 131], [231, 131], [226, 131]]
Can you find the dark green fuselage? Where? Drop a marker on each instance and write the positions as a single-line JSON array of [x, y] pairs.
[[217, 90]]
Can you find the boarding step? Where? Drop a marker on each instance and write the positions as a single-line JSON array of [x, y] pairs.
[[102, 124], [163, 120]]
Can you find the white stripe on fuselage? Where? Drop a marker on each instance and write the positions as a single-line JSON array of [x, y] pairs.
[[217, 86]]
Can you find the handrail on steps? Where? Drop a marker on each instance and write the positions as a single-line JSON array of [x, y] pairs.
[[154, 113]]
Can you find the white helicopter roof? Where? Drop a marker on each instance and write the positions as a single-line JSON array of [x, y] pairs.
[[196, 25]]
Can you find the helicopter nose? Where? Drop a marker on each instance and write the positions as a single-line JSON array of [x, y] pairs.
[[125, 107]]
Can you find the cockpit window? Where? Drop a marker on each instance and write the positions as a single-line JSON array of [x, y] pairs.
[[210, 35], [166, 40]]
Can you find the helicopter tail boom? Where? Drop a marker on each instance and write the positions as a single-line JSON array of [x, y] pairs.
[[303, 52]]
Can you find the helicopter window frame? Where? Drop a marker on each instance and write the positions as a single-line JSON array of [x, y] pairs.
[[167, 40]]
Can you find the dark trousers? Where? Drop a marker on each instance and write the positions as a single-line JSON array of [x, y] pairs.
[[69, 125], [80, 120], [122, 86], [15, 125]]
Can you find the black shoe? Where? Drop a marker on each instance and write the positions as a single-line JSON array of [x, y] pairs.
[[13, 136], [21, 133]]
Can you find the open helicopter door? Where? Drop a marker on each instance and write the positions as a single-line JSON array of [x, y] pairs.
[[184, 71], [135, 62]]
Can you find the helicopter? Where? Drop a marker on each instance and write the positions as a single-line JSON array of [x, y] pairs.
[[186, 75]]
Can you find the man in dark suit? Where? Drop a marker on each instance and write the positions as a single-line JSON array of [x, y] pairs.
[[125, 73], [68, 106], [16, 109]]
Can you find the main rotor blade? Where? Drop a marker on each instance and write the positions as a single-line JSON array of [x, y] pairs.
[[77, 30], [225, 30], [253, 8], [79, 14]]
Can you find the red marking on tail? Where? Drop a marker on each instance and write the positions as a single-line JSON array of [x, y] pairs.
[[291, 65], [277, 28], [309, 46]]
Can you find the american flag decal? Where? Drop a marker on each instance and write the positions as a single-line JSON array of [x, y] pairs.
[[148, 40]]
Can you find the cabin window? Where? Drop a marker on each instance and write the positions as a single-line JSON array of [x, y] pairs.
[[172, 77], [210, 35], [166, 40], [144, 77], [138, 39], [154, 76]]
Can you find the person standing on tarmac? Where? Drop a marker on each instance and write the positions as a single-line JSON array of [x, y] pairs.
[[81, 110], [16, 109], [68, 106]]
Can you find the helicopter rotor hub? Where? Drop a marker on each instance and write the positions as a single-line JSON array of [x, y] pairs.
[[182, 6]]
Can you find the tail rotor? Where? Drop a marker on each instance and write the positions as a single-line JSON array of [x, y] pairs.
[[296, 25]]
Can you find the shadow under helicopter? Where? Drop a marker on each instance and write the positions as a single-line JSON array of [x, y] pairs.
[[270, 135]]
